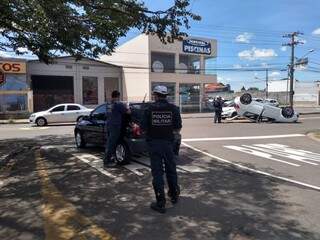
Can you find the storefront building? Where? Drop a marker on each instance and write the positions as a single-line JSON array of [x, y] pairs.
[[185, 67], [87, 82], [15, 93]]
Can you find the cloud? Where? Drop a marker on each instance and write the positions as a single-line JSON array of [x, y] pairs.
[[5, 54], [275, 74], [283, 48], [316, 32], [22, 49], [257, 54], [244, 38]]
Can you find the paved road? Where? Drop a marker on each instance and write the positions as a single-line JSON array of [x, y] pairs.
[[51, 190]]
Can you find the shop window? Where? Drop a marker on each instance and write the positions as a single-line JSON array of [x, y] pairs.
[[15, 82], [171, 89], [162, 62], [210, 65], [90, 90], [68, 66], [110, 84], [189, 64], [13, 102], [86, 67], [189, 97]]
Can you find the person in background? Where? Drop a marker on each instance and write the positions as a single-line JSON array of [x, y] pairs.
[[217, 104], [160, 122], [116, 111]]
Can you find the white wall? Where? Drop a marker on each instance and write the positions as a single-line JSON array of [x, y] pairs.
[[133, 57], [96, 69]]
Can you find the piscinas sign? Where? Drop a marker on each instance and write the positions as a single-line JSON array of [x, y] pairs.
[[196, 46]]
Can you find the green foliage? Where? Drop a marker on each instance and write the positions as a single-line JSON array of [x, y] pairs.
[[84, 27]]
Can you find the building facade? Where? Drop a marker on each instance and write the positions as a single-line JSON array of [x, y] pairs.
[[186, 67], [15, 92], [30, 86], [305, 93], [86, 81]]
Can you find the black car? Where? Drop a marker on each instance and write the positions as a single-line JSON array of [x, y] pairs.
[[92, 130]]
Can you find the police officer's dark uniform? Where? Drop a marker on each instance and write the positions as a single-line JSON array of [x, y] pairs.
[[160, 121], [217, 109], [114, 124]]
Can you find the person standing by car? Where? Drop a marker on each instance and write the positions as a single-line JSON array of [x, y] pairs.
[[160, 121], [114, 123], [217, 104]]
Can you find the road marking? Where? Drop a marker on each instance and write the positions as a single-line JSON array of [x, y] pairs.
[[285, 152], [135, 167], [180, 168], [97, 164], [252, 170], [34, 128], [242, 138], [259, 154], [61, 219]]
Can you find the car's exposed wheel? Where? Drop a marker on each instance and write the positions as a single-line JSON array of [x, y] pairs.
[[80, 142], [123, 154], [41, 121], [287, 112], [79, 118], [246, 98]]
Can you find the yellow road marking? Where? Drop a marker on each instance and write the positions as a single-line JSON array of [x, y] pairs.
[[62, 220]]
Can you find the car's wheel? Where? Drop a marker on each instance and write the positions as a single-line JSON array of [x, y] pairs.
[[80, 142], [123, 155], [287, 112], [246, 99], [234, 114], [41, 121], [79, 118]]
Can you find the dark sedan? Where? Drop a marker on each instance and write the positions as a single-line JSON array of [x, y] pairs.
[[91, 130]]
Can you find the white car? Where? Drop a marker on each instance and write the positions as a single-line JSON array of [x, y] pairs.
[[229, 111], [246, 107], [272, 102], [62, 113]]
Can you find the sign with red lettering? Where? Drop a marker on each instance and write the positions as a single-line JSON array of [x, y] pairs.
[[2, 78], [12, 67]]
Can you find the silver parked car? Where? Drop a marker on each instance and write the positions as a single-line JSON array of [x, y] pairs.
[[247, 107], [62, 113]]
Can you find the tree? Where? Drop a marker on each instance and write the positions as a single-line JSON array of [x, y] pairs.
[[243, 89], [84, 27]]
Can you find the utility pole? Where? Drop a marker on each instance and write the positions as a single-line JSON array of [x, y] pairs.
[[267, 84], [293, 42]]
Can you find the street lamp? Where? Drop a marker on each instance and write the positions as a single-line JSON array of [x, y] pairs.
[[309, 51]]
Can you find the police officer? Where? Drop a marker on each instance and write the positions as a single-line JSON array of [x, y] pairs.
[[114, 123], [160, 121], [218, 104]]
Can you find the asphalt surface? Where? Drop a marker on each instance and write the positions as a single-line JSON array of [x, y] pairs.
[[236, 184]]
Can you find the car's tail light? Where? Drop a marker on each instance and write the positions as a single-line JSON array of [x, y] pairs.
[[136, 130]]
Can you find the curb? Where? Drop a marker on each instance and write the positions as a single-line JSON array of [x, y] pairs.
[[309, 113]]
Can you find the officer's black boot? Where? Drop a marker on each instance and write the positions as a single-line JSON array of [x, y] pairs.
[[160, 204], [174, 193]]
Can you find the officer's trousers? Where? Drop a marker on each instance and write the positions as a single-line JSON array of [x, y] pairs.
[[217, 116], [113, 136], [162, 159]]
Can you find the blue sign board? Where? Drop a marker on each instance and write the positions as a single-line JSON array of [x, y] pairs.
[[196, 46]]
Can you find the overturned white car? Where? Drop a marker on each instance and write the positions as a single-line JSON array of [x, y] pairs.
[[258, 111]]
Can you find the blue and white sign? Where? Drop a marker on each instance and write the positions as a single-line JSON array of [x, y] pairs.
[[196, 46]]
